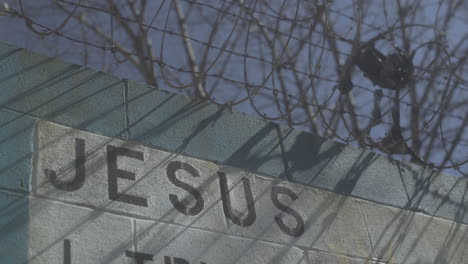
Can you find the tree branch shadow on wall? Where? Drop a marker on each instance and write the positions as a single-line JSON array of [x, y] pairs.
[[304, 154]]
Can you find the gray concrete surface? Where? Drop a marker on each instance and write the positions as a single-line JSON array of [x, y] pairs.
[[153, 175]]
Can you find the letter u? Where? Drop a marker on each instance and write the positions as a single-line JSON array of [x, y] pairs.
[[227, 205]]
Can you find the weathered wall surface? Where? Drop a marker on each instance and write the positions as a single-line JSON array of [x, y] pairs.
[[94, 169]]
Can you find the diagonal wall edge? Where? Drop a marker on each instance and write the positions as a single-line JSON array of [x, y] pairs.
[[37, 87]]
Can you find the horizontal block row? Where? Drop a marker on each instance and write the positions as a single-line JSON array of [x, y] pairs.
[[141, 182], [61, 233], [133, 179], [51, 232]]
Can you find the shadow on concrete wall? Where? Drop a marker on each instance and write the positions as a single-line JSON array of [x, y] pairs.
[[38, 87]]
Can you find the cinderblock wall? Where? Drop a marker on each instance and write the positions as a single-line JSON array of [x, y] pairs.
[[94, 169]]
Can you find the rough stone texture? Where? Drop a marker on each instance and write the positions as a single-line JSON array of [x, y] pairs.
[[151, 180], [330, 220], [189, 126], [408, 237], [337, 228], [198, 246], [203, 130], [436, 194], [345, 170], [16, 144], [14, 219], [333, 223], [95, 237], [325, 258], [65, 93]]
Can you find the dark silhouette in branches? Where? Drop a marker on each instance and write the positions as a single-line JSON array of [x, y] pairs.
[[290, 61], [393, 71]]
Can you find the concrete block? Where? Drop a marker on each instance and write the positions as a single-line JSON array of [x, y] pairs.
[[60, 233], [206, 131], [408, 237], [152, 193], [16, 144], [344, 169], [203, 130], [196, 246], [435, 193], [65, 93], [14, 219], [313, 219], [298, 215], [325, 258]]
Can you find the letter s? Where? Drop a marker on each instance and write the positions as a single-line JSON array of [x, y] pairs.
[[182, 204], [298, 230]]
